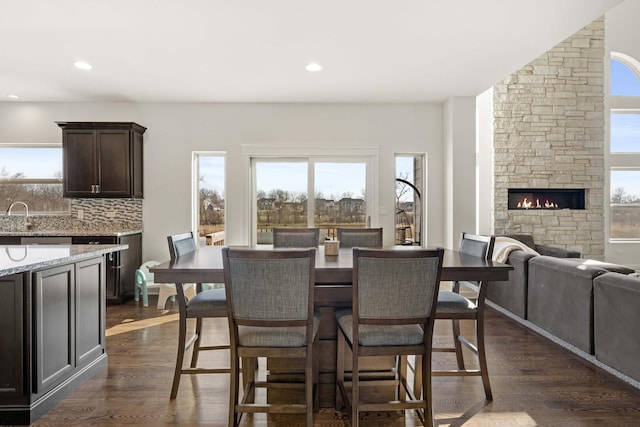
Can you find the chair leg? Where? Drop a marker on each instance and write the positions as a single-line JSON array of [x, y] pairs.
[[418, 375], [425, 389], [455, 326], [145, 296], [182, 336], [136, 293], [196, 344], [355, 388], [482, 358], [308, 385], [340, 349], [233, 391], [401, 375]]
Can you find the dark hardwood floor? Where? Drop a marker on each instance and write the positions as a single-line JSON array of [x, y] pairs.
[[535, 383]]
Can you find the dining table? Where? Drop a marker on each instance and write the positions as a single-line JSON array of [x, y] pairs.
[[333, 291]]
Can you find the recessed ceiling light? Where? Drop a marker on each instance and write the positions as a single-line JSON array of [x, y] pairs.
[[13, 96], [82, 65], [313, 66]]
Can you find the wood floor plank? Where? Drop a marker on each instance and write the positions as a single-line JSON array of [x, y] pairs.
[[535, 382]]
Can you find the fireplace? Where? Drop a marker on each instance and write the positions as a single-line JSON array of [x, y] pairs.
[[546, 198]]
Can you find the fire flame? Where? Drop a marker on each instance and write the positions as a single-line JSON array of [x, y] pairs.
[[526, 204]]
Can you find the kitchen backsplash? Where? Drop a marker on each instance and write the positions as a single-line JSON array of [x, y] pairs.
[[86, 214]]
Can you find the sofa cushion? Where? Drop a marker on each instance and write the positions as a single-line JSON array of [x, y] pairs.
[[616, 316], [607, 266], [560, 298], [527, 239]]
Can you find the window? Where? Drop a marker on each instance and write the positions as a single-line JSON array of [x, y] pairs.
[[625, 204], [209, 197], [624, 152], [409, 197], [625, 75], [282, 187], [32, 174]]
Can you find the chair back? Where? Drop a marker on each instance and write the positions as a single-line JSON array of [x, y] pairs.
[[269, 287], [296, 237], [476, 245], [395, 286], [181, 244], [360, 237]]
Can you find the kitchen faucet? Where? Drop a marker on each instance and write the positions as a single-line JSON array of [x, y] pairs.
[[26, 208], [26, 211]]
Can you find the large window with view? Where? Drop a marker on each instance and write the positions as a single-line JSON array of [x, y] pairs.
[[624, 155], [33, 175], [282, 187]]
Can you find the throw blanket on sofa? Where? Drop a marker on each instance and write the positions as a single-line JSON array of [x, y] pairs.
[[505, 245]]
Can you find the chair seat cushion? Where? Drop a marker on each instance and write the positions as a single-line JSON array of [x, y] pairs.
[[258, 336], [452, 302], [379, 335], [211, 303]]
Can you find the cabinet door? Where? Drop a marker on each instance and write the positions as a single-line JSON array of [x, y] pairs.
[[80, 163], [54, 313], [114, 164], [12, 348], [90, 310]]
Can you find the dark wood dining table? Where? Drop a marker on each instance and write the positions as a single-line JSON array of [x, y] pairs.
[[332, 291], [205, 266]]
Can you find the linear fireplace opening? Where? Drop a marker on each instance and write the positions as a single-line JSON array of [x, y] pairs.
[[546, 198]]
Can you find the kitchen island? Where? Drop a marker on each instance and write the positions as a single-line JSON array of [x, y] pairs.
[[52, 312]]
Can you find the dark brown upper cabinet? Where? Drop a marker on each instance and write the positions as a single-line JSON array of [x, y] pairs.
[[102, 159]]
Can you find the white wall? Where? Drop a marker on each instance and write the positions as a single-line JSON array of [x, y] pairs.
[[175, 130], [460, 173]]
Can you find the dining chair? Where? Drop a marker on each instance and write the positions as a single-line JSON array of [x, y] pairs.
[[296, 237], [270, 308], [392, 314], [455, 307], [205, 304], [360, 237]]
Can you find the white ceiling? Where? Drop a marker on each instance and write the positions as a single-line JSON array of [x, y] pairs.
[[256, 50]]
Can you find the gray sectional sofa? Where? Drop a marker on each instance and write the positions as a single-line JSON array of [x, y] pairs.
[[512, 294], [591, 305]]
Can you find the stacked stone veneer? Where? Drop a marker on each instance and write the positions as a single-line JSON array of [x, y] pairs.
[[549, 124]]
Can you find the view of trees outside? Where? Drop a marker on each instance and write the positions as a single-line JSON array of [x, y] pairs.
[[625, 205], [624, 211], [210, 194], [32, 175], [282, 196]]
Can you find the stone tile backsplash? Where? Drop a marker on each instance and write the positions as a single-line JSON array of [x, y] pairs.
[[86, 214]]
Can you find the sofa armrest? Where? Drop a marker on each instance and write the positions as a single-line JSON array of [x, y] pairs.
[[557, 252]]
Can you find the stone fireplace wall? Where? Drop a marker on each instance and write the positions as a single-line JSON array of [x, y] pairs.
[[549, 124]]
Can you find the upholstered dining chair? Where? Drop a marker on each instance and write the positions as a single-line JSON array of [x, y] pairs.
[[271, 314], [296, 237], [360, 237], [393, 313], [205, 304], [455, 307]]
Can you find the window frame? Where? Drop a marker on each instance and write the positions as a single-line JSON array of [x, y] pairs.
[[616, 160]]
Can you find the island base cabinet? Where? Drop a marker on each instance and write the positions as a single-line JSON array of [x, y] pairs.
[[12, 293], [56, 339]]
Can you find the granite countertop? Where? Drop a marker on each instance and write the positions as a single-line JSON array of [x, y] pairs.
[[62, 233], [21, 258]]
